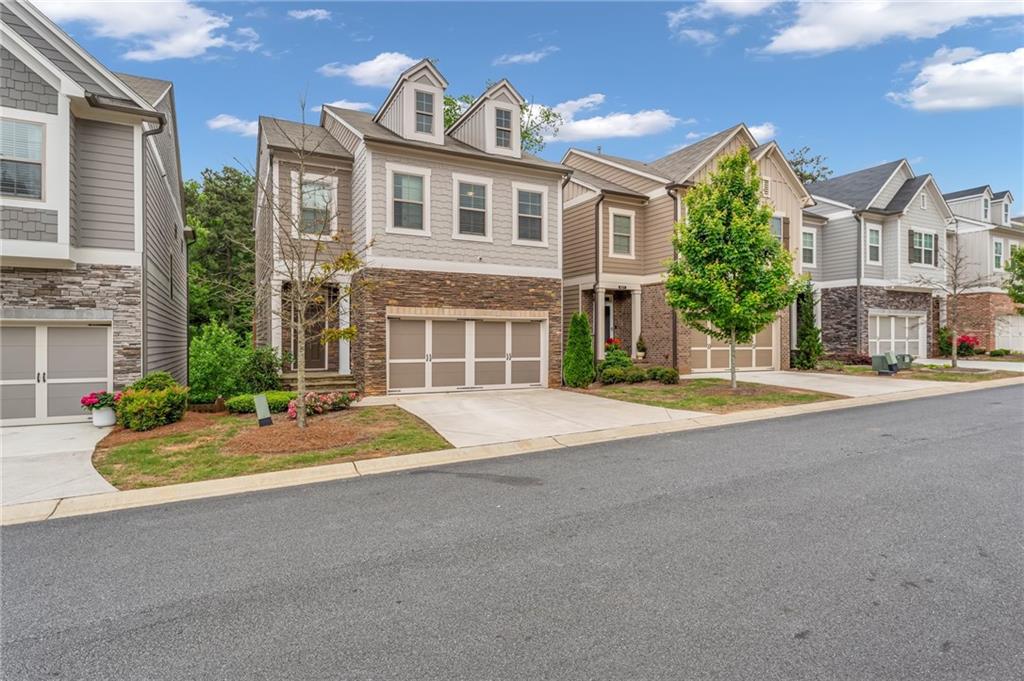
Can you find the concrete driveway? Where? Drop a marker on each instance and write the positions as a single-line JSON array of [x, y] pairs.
[[836, 384], [49, 462], [467, 419], [976, 364]]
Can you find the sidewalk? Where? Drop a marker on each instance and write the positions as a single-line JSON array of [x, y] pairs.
[[975, 364]]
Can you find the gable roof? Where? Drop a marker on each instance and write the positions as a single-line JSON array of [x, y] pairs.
[[603, 185], [405, 75], [370, 130], [681, 163], [150, 89], [479, 101], [858, 188], [964, 193], [288, 135], [1001, 195], [905, 194]]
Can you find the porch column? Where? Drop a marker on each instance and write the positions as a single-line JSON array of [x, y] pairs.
[[599, 321], [634, 296], [344, 363]]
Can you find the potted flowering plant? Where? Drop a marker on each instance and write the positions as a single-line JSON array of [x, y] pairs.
[[101, 404], [612, 343], [641, 348]]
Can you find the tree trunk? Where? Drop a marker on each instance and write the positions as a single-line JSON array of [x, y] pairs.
[[952, 329], [300, 369], [732, 359]]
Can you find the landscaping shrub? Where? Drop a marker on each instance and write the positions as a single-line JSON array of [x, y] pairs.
[[944, 340], [641, 345], [630, 374], [666, 375], [999, 352], [158, 380], [277, 400], [967, 345], [223, 364], [809, 348], [578, 363], [261, 371], [147, 409], [318, 403], [635, 375], [614, 358]]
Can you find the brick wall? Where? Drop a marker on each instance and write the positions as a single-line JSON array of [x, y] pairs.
[[622, 318], [375, 289], [28, 224], [978, 312], [21, 88], [117, 288], [839, 314]]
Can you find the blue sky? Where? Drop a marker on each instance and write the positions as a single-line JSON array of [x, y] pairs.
[[941, 84]]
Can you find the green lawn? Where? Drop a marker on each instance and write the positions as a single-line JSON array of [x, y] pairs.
[[708, 394], [936, 373], [205, 447]]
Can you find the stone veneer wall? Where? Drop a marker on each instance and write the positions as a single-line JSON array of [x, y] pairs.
[[839, 314], [978, 312], [375, 289], [28, 224], [22, 88], [117, 288]]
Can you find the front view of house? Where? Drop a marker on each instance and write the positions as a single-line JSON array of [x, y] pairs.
[[459, 231]]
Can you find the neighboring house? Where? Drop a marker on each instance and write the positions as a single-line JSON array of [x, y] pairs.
[[879, 238], [988, 236], [460, 232], [92, 249], [619, 217]]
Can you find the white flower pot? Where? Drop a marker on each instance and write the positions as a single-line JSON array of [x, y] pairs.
[[104, 417]]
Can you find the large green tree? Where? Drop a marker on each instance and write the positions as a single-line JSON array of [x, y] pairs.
[[219, 209], [1015, 281], [536, 122], [732, 275]]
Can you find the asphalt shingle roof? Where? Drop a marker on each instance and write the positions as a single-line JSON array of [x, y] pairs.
[[282, 134], [603, 184], [906, 194], [999, 195], [973, 191], [681, 163], [855, 189], [150, 89]]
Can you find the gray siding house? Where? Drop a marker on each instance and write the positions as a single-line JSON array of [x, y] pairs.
[[874, 247], [92, 238]]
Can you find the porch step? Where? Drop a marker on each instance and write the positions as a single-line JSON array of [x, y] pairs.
[[319, 381]]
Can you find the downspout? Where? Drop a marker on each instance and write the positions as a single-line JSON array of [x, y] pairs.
[[674, 193], [860, 270], [597, 269]]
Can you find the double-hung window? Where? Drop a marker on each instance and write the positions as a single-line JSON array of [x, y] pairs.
[[21, 159], [408, 201], [529, 215], [922, 248], [503, 128], [807, 247], [924, 201], [315, 216], [874, 245], [997, 254], [985, 207], [777, 228], [622, 234], [425, 112], [472, 209], [1006, 212]]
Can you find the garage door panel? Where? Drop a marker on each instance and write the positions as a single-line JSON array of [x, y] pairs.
[[525, 339], [448, 340], [447, 374], [64, 399], [17, 353], [1010, 332], [76, 352], [407, 376], [764, 337], [719, 359], [408, 339], [18, 401], [490, 340], [489, 373], [764, 357], [525, 372]]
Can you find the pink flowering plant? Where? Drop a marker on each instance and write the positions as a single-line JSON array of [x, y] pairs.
[[100, 400], [319, 403]]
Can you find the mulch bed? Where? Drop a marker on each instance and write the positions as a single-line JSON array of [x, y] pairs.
[[191, 422], [327, 431]]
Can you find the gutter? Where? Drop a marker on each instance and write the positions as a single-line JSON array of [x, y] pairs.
[[597, 268], [673, 191], [860, 274]]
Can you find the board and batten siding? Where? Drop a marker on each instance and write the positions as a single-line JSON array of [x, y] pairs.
[[620, 177], [574, 190], [165, 325], [578, 235], [969, 208], [105, 185], [473, 130]]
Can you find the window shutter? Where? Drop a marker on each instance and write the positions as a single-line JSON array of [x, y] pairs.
[[935, 252], [910, 245], [785, 233]]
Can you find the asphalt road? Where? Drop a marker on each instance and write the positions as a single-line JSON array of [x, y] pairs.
[[876, 543]]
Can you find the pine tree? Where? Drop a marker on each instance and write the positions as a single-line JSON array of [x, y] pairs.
[[809, 348], [578, 363]]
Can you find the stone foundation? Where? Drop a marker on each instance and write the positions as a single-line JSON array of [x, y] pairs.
[[375, 289], [839, 314]]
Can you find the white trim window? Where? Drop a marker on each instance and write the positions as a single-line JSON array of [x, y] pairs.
[[923, 248], [315, 219], [924, 201], [531, 206], [778, 227], [985, 208], [997, 254], [471, 208], [1006, 212], [424, 112], [503, 128], [808, 247], [766, 187], [875, 245], [21, 159], [408, 207], [621, 233]]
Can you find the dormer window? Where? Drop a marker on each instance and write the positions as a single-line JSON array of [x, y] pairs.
[[924, 201], [985, 204], [503, 128], [425, 112], [1006, 213]]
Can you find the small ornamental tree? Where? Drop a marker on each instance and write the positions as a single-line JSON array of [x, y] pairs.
[[578, 363], [732, 275], [1015, 281], [808, 336]]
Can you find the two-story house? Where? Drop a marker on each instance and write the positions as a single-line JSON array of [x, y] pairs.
[[987, 237], [92, 240], [459, 231], [875, 246], [619, 217]]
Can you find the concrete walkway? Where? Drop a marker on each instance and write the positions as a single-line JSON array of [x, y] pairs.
[[482, 418], [49, 462], [975, 364], [836, 384]]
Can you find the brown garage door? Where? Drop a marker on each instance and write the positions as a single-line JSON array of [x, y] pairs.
[[464, 354], [711, 354]]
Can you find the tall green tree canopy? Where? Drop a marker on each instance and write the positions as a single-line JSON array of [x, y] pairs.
[[809, 167], [535, 121], [1015, 282], [732, 275], [219, 208]]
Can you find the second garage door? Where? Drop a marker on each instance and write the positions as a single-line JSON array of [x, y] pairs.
[[711, 354], [900, 334], [427, 355]]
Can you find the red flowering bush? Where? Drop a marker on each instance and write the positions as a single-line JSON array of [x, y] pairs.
[[613, 343], [318, 403], [966, 345], [100, 400]]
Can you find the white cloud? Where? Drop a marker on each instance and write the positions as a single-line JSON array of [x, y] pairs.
[[695, 135], [638, 124], [382, 71], [525, 57], [233, 124], [345, 104], [829, 26], [680, 21], [963, 78], [314, 14], [764, 132], [172, 29], [697, 35]]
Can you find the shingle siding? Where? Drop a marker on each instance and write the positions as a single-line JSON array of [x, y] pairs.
[[28, 224], [22, 88], [48, 50]]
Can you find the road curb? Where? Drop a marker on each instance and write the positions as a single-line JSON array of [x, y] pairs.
[[36, 511]]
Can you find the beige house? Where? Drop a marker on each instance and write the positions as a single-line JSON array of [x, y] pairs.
[[619, 215], [459, 229]]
